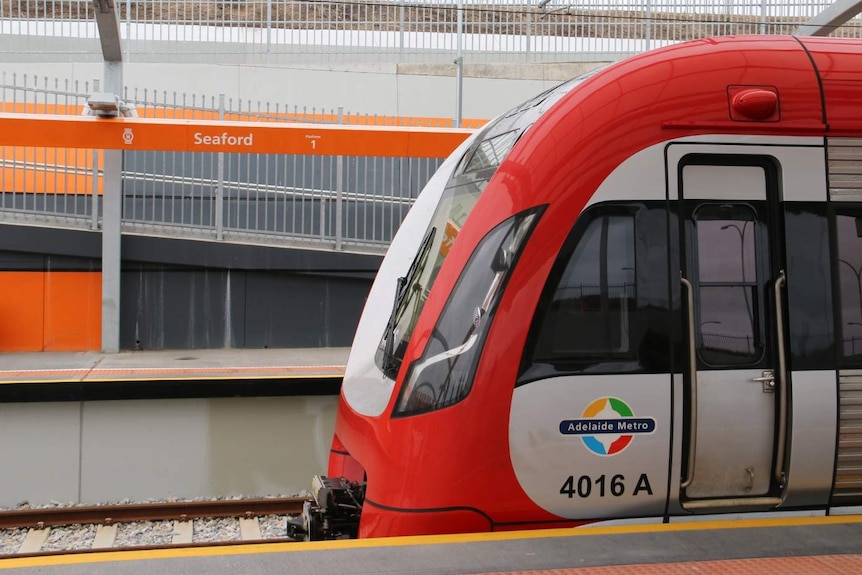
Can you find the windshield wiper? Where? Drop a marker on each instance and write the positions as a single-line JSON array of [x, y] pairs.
[[389, 362]]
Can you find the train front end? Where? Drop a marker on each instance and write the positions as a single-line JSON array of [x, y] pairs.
[[532, 353], [400, 375]]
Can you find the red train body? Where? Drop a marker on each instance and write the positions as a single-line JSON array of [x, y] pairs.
[[635, 296]]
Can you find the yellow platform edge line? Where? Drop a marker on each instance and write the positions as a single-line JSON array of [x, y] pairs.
[[260, 548], [202, 376]]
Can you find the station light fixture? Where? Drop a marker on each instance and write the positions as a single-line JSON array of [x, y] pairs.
[[109, 105]]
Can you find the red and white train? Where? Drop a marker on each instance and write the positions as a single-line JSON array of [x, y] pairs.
[[638, 295]]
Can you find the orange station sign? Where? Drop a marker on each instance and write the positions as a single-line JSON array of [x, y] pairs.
[[56, 131]]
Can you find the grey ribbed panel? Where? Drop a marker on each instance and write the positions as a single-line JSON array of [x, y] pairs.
[[848, 473], [845, 169]]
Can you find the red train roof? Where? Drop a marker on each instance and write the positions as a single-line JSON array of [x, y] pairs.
[[839, 64]]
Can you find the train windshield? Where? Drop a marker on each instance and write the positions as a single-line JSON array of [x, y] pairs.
[[413, 288], [469, 179]]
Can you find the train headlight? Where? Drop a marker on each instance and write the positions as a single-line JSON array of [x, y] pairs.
[[444, 374]]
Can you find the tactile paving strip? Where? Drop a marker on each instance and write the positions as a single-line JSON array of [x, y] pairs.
[[810, 565]]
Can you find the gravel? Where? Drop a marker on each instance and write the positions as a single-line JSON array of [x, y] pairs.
[[226, 529], [11, 539], [70, 537], [144, 533], [141, 533], [273, 526]]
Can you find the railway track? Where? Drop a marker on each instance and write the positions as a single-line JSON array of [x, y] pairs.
[[81, 529]]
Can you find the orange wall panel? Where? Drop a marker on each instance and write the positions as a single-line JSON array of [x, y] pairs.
[[21, 311], [50, 311], [73, 308]]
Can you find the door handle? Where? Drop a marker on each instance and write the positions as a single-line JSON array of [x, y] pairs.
[[692, 367], [782, 382], [767, 378]]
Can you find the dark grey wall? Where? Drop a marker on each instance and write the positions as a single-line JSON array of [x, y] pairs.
[[178, 308], [192, 294]]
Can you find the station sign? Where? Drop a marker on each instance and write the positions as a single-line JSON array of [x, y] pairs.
[[57, 131]]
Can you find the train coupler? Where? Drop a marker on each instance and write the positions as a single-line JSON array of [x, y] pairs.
[[332, 514]]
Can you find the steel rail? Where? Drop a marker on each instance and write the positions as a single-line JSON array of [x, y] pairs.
[[176, 511]]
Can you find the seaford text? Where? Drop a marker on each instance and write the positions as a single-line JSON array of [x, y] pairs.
[[224, 139]]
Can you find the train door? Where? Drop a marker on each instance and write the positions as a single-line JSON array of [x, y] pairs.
[[735, 415]]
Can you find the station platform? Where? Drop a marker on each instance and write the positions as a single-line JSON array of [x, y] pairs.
[[787, 546], [83, 376]]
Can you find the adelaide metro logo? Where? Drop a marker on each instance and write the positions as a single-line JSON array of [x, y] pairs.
[[607, 426]]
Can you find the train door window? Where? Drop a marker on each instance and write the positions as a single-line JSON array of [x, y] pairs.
[[848, 226], [592, 306], [728, 331], [605, 307]]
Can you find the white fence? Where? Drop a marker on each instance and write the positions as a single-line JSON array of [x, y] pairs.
[[319, 30]]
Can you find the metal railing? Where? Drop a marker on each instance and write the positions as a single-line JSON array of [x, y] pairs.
[[28, 93], [334, 202], [331, 201], [386, 30]]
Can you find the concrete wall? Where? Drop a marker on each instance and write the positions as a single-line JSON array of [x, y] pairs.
[[108, 451], [382, 88]]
